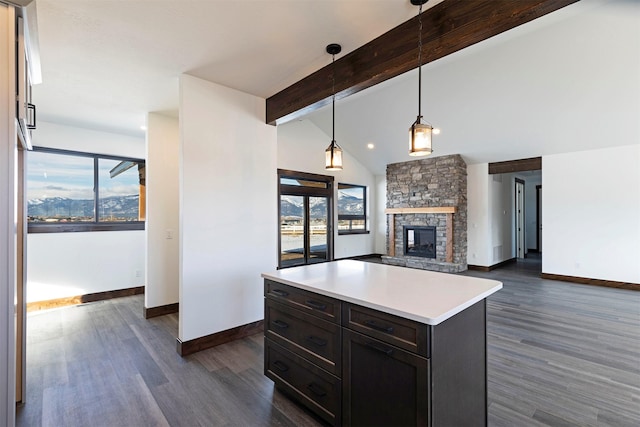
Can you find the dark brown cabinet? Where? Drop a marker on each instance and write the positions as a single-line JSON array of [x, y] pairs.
[[383, 385], [356, 366], [303, 348]]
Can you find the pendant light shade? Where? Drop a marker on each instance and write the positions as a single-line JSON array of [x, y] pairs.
[[419, 133], [420, 139], [333, 157], [333, 153]]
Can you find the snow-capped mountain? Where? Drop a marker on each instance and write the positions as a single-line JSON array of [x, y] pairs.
[[120, 207]]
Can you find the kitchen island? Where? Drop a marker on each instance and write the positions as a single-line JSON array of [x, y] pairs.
[[362, 343]]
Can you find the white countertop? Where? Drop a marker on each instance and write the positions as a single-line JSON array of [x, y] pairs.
[[424, 296]]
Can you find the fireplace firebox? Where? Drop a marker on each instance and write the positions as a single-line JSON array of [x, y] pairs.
[[420, 241]]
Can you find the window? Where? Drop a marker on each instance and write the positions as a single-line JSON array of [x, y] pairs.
[[74, 191], [352, 208]]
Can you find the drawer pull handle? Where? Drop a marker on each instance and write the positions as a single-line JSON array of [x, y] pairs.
[[380, 348], [281, 365], [374, 325], [280, 293], [317, 341], [316, 305], [280, 324], [316, 389]]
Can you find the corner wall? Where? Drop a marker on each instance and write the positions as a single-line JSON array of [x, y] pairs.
[[478, 215], [228, 215], [162, 240]]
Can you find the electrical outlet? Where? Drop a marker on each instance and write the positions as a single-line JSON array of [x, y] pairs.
[[169, 234], [138, 273]]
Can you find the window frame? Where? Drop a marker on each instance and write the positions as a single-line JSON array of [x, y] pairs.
[[350, 217], [86, 226]]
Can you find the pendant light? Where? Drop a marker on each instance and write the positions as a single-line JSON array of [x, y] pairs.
[[419, 133], [333, 153]]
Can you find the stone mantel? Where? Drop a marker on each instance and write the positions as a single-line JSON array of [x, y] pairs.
[[448, 210]]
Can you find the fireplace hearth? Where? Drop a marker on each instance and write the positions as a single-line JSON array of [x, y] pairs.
[[420, 241]]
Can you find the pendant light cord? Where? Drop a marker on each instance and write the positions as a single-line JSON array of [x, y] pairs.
[[333, 91], [420, 64]]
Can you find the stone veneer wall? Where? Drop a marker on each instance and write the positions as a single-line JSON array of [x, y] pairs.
[[430, 182]]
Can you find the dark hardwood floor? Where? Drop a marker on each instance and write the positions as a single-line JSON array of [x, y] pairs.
[[560, 354]]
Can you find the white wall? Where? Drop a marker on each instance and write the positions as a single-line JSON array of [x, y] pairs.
[[228, 215], [87, 140], [162, 186], [380, 229], [478, 229], [68, 264], [591, 214], [490, 216], [501, 218], [301, 146], [8, 219]]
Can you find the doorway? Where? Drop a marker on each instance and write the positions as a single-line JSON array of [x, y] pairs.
[[539, 218], [520, 219], [524, 226], [305, 206]]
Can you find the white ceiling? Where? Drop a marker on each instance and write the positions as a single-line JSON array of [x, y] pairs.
[[524, 93], [106, 63]]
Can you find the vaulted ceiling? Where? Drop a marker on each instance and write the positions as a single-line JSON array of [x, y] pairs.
[[105, 64]]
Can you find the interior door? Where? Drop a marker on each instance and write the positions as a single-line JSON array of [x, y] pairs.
[[520, 224]]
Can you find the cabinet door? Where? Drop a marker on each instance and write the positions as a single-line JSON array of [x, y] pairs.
[[383, 385]]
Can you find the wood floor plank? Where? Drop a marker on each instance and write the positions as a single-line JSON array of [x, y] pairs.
[[558, 354]]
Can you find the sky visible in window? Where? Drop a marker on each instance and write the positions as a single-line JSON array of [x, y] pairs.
[[356, 192], [55, 175]]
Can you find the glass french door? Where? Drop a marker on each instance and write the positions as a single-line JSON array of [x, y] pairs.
[[305, 219], [303, 230]]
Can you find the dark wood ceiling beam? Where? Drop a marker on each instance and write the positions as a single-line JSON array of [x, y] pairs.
[[521, 165], [447, 28]]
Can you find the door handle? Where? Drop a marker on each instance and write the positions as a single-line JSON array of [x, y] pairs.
[[317, 390], [281, 366], [316, 305], [31, 108], [317, 341], [373, 324], [280, 292], [380, 348], [280, 324]]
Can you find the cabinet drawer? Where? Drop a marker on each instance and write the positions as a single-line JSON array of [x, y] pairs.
[[403, 333], [319, 305], [310, 385], [314, 339]]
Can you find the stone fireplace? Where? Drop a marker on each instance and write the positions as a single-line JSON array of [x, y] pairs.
[[428, 194]]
